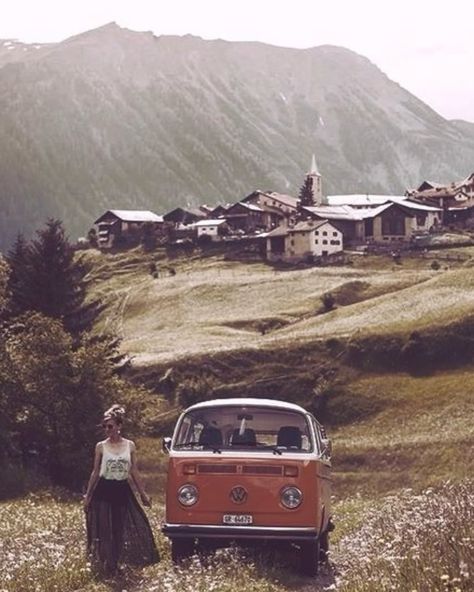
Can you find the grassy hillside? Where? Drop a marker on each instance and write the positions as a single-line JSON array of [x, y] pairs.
[[211, 305], [403, 435]]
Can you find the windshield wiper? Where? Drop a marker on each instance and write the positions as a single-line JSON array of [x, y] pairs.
[[193, 444], [187, 445]]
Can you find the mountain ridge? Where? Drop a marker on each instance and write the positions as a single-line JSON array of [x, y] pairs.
[[115, 118]]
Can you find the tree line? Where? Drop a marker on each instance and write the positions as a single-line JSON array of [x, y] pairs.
[[56, 376]]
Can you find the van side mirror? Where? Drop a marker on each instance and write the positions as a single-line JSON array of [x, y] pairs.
[[166, 444], [327, 447]]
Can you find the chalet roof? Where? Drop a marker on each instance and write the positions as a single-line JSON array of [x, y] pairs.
[[430, 184], [416, 205], [249, 206], [279, 231], [215, 222], [193, 211], [307, 225], [436, 194], [287, 200], [365, 199], [337, 212], [304, 226], [467, 181], [225, 206], [352, 214], [133, 216]]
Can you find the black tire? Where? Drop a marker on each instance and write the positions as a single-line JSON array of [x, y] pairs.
[[324, 547], [309, 558], [181, 548]]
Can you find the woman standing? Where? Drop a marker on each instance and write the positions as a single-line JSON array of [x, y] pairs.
[[117, 527]]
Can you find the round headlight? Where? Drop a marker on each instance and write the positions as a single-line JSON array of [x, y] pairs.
[[188, 495], [291, 497]]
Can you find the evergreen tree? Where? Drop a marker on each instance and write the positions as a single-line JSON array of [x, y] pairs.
[[306, 192], [4, 279], [46, 278], [17, 258]]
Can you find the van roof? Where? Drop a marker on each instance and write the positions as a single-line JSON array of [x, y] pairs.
[[248, 401]]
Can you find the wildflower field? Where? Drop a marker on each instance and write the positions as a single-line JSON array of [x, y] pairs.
[[405, 542]]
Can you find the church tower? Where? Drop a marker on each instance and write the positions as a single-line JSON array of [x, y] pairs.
[[315, 176]]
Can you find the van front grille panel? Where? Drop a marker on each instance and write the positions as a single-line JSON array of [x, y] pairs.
[[261, 470], [217, 468]]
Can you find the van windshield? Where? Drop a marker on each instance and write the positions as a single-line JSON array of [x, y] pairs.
[[229, 427]]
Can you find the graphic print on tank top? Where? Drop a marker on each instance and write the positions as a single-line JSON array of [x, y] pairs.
[[115, 465]]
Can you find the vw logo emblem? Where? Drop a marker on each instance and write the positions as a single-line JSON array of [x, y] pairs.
[[238, 495]]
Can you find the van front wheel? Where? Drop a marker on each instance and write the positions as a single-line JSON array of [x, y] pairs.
[[309, 557], [324, 547], [181, 549]]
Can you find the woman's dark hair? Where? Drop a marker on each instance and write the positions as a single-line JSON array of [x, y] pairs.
[[116, 413]]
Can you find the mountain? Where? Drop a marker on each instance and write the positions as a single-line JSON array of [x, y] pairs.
[[113, 118]]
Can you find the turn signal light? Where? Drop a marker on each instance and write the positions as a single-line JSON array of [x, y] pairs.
[[189, 469], [290, 471]]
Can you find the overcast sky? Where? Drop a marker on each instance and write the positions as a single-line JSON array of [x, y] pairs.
[[425, 45]]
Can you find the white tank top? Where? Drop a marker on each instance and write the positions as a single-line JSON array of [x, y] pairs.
[[115, 465]]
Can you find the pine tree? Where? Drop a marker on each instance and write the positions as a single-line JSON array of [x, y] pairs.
[[18, 261], [306, 192], [46, 277]]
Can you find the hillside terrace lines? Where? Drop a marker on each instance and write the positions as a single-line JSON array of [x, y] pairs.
[[208, 309]]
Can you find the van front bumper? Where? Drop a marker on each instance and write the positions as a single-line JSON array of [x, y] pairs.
[[281, 533]]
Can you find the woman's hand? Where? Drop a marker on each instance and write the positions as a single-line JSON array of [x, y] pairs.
[[146, 500]]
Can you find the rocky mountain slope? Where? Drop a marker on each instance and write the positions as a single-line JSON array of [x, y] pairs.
[[116, 118]]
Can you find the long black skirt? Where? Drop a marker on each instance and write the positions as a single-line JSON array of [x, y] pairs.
[[118, 530]]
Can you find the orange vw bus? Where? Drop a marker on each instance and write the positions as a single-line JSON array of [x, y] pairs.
[[249, 470]]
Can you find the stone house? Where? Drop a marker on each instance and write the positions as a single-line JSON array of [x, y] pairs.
[[304, 241]]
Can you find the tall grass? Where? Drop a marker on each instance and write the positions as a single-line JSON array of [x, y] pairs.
[[402, 543], [411, 542]]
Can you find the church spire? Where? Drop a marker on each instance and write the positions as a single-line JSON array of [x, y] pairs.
[[315, 177], [314, 167]]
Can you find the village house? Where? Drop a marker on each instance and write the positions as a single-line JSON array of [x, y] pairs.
[[246, 217], [389, 222], [456, 200], [118, 227], [213, 228], [279, 209], [220, 210], [184, 216], [303, 242]]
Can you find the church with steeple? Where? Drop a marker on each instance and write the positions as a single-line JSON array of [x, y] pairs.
[[311, 192]]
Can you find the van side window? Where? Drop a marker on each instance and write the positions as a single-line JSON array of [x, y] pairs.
[[317, 435]]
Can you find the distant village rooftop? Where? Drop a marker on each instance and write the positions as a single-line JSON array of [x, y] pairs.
[[134, 216]]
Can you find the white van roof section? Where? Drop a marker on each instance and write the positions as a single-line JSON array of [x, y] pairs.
[[248, 402]]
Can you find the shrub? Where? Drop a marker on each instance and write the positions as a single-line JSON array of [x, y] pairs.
[[328, 301], [52, 396], [435, 265]]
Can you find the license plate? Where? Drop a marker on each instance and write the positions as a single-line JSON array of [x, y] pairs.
[[237, 519]]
